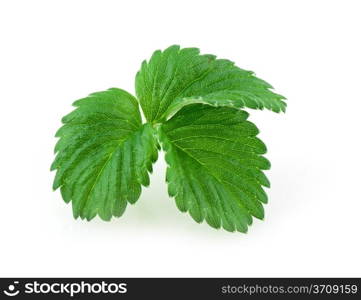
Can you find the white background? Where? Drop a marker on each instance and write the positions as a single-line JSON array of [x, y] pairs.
[[54, 52]]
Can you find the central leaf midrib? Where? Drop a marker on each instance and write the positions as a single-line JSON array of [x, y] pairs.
[[195, 159]]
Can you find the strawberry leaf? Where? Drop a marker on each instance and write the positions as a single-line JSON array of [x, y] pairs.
[[103, 155], [215, 165], [177, 77], [193, 106]]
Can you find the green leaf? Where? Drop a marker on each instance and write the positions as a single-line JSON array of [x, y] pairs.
[[177, 77], [193, 104], [103, 155], [215, 165]]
